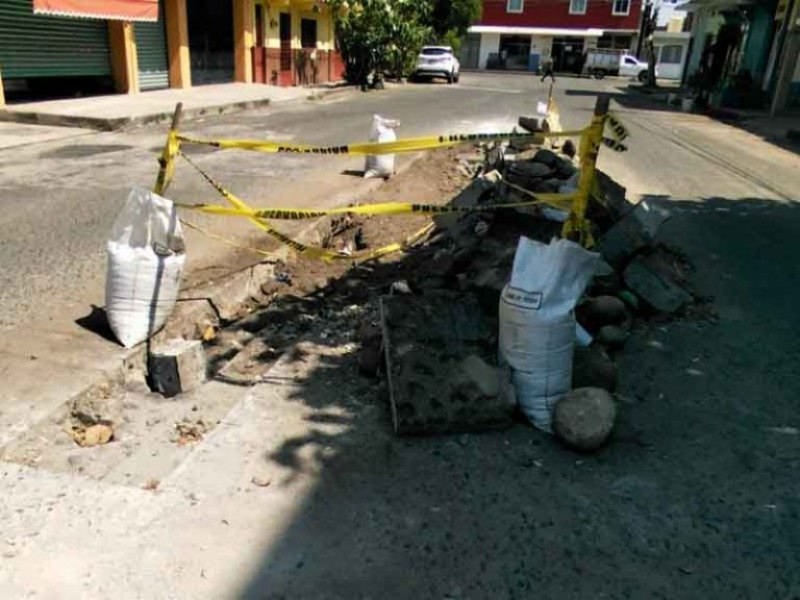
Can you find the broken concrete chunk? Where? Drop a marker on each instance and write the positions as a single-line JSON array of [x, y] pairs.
[[584, 418], [547, 157], [654, 286], [177, 366], [565, 169], [636, 230], [531, 124], [439, 349]]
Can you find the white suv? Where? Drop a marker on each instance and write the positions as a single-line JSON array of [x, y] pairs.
[[437, 61]]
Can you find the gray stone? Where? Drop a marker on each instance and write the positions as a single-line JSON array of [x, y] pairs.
[[584, 418], [527, 174], [612, 336], [593, 367], [598, 312], [652, 284], [633, 232], [613, 195], [176, 367], [547, 157], [606, 281], [569, 148], [565, 169], [531, 124]]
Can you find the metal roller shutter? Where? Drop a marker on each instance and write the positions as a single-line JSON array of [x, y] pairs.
[[151, 52], [43, 46]]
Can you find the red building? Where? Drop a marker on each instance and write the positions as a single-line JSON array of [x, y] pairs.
[[520, 34]]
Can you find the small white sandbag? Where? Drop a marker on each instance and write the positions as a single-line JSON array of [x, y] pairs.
[[382, 165], [537, 322], [146, 255]]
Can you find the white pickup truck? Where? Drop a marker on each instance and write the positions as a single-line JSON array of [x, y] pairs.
[[600, 63]]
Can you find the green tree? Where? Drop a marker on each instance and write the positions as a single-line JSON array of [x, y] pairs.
[[450, 19], [374, 35]]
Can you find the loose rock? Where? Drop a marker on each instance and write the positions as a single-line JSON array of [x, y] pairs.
[[547, 157], [612, 336], [653, 286], [598, 312], [584, 418]]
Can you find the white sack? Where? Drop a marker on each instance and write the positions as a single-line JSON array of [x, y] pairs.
[[145, 263], [537, 322], [382, 165]]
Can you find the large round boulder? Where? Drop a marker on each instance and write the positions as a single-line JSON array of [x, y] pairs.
[[584, 418]]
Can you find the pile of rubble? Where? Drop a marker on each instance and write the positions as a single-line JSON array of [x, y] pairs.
[[426, 322]]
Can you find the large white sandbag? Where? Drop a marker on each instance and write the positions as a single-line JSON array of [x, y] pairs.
[[382, 165], [537, 322], [145, 262]]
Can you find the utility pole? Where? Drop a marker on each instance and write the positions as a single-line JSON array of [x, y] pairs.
[[643, 24], [788, 59]]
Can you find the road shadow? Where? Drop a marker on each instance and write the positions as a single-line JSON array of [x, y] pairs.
[[695, 496], [97, 322]]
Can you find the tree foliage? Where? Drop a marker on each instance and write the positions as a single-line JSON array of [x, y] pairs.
[[386, 35]]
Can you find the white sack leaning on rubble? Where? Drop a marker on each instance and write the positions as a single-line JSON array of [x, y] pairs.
[[145, 264], [381, 165], [537, 322]]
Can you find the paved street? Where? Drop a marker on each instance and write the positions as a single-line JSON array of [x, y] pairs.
[[696, 498]]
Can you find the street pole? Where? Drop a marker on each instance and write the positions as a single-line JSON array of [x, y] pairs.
[[646, 11]]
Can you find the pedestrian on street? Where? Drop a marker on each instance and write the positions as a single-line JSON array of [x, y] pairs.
[[547, 67]]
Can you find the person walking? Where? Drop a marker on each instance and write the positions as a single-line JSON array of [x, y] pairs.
[[547, 67]]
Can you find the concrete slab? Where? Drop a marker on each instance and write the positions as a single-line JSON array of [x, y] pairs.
[[20, 134], [107, 113]]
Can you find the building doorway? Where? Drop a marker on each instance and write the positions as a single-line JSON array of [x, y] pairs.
[[210, 41], [285, 25], [259, 49], [567, 54], [514, 51]]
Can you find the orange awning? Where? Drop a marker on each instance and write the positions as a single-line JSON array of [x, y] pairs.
[[115, 10]]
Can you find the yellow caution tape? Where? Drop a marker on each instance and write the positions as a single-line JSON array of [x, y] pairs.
[[382, 209], [376, 148], [227, 241]]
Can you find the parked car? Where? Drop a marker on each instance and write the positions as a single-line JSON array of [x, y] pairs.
[[437, 61], [600, 62]]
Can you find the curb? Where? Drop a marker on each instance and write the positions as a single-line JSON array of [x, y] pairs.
[[100, 124], [117, 124]]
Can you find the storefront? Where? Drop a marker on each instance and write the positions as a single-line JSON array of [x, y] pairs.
[[75, 58], [128, 46]]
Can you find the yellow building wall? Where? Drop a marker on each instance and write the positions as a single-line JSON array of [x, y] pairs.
[[298, 10]]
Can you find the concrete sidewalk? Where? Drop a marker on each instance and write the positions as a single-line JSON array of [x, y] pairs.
[[107, 113]]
